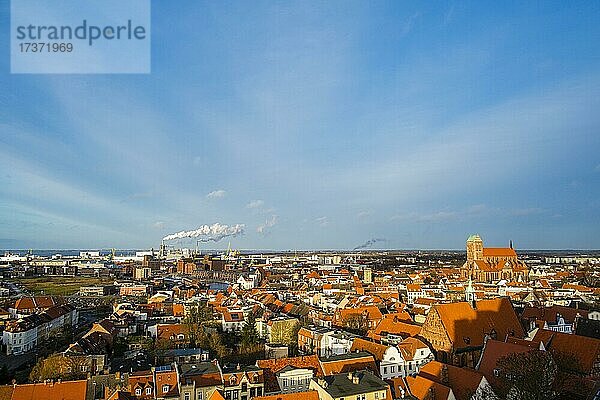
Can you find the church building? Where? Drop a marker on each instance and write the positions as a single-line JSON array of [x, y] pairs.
[[491, 264]]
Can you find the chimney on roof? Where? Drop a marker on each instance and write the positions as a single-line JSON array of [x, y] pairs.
[[510, 244], [445, 378]]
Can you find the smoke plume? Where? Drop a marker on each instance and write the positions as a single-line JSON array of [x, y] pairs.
[[209, 233], [369, 243]]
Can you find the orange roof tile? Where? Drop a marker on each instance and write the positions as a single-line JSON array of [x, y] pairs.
[[409, 346], [68, 390], [492, 352], [375, 349], [272, 366], [463, 382], [423, 388], [462, 321], [356, 363], [585, 349], [309, 395], [6, 392], [391, 326], [216, 395], [499, 252]]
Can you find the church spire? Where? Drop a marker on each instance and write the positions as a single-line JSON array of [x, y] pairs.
[[470, 296]]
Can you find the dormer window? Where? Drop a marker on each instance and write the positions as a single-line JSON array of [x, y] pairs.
[[138, 391], [148, 390], [165, 388], [232, 379]]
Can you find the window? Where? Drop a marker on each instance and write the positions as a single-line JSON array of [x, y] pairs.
[[138, 391], [236, 395], [376, 395], [496, 372], [186, 396], [148, 390], [244, 387], [392, 369], [385, 370], [165, 388], [285, 382]]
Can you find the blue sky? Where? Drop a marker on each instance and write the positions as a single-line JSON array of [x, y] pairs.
[[317, 125]]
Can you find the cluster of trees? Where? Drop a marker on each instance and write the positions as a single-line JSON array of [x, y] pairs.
[[538, 375], [356, 323], [236, 347], [58, 366]]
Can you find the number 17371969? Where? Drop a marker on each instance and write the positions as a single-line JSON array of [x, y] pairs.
[[39, 47]]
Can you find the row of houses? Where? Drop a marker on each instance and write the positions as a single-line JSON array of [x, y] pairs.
[[25, 333]]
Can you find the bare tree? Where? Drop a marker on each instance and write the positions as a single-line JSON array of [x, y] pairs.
[[528, 376]]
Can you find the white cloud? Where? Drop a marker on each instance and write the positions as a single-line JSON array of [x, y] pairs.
[[364, 214], [263, 228], [255, 204], [425, 217], [408, 24], [159, 224], [216, 194], [522, 212], [322, 221]]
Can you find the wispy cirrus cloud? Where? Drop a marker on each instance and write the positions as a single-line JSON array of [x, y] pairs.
[[265, 227], [216, 194], [254, 204]]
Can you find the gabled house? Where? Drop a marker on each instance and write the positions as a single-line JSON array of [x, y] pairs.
[[243, 383], [456, 331], [348, 363], [290, 374], [359, 385], [464, 382]]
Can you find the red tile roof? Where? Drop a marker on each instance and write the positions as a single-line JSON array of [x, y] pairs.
[[375, 349], [272, 366], [492, 352], [357, 363], [425, 389], [499, 252], [69, 390], [462, 321], [585, 349], [463, 382], [309, 395]]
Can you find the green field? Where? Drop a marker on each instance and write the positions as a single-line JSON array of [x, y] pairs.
[[58, 286]]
